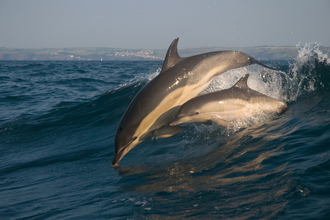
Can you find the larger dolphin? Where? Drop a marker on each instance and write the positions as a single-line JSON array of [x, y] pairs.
[[228, 105], [179, 80]]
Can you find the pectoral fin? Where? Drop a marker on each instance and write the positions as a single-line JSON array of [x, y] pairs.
[[208, 122], [221, 122], [167, 131]]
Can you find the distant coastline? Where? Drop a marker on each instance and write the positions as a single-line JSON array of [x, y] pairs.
[[105, 53]]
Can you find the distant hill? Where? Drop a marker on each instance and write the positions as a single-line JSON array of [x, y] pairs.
[[94, 53], [105, 53]]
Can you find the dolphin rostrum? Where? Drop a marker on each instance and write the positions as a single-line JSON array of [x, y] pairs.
[[227, 105], [179, 80]]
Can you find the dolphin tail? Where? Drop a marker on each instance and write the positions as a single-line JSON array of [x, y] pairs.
[[254, 61]]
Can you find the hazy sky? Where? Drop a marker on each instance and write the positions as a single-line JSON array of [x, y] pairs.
[[136, 24]]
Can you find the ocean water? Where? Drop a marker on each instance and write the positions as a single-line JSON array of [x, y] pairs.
[[57, 126]]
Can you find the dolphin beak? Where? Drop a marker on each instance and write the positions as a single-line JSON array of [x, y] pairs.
[[122, 152], [118, 156]]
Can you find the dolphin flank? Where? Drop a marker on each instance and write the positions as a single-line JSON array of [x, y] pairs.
[[179, 80], [227, 105]]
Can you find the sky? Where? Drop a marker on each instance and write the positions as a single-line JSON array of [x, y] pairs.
[[143, 24]]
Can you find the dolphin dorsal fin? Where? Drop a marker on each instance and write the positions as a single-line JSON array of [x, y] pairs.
[[172, 57], [242, 82]]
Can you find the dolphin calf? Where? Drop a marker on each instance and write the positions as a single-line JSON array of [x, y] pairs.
[[179, 80], [227, 105]]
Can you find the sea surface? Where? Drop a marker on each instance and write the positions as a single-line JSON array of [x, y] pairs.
[[57, 126]]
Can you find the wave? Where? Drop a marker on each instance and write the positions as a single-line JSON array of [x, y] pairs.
[[307, 75], [73, 115]]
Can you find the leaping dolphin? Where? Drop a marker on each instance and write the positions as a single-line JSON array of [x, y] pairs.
[[227, 105], [179, 80]]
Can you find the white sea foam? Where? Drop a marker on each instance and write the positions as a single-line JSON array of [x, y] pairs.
[[283, 86], [153, 75], [302, 71]]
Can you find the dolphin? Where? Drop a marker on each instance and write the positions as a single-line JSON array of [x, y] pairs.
[[179, 80], [227, 105]]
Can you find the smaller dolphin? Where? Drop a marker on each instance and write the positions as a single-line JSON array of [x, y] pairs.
[[227, 105]]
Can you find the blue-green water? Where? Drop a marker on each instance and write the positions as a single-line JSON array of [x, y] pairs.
[[57, 126]]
